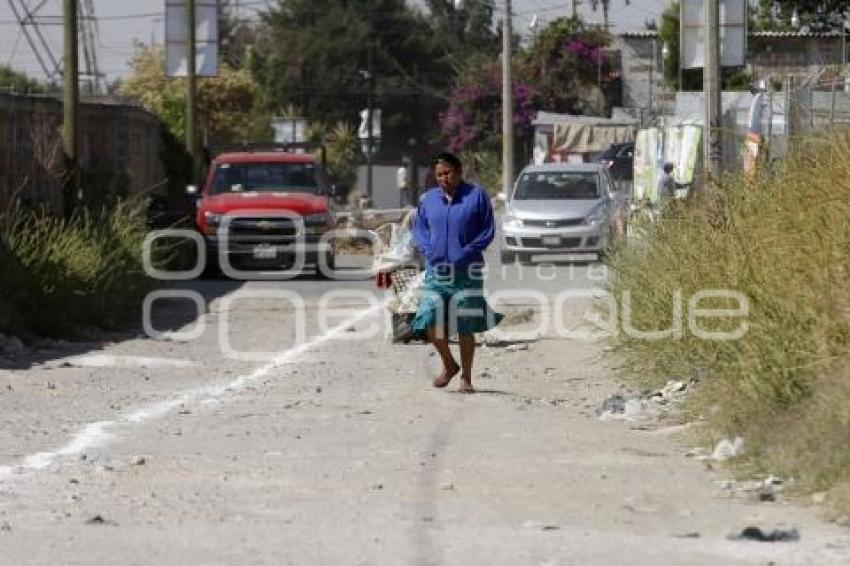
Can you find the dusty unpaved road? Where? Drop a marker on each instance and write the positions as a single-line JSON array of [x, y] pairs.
[[338, 451]]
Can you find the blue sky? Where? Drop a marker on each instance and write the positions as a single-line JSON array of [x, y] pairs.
[[124, 22]]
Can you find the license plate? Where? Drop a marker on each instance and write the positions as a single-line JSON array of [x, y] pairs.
[[265, 252], [551, 240]]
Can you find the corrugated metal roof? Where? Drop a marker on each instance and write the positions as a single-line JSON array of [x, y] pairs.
[[550, 118], [649, 34], [646, 34], [796, 34]]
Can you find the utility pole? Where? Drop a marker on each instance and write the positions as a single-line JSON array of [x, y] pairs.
[[711, 87], [507, 103], [71, 102], [369, 125], [652, 67], [607, 23], [575, 8], [191, 91]]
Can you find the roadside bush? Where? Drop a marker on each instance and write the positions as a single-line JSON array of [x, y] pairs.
[[13, 278], [782, 240], [65, 276]]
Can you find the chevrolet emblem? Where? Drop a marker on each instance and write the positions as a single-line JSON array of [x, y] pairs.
[[550, 224], [265, 225]]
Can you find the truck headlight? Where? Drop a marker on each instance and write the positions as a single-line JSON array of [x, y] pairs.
[[595, 216], [512, 221], [212, 218], [317, 224], [212, 222]]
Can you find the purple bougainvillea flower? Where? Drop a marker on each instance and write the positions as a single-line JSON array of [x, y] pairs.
[[576, 46]]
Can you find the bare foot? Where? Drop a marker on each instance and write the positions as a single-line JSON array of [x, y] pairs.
[[466, 385], [446, 377]]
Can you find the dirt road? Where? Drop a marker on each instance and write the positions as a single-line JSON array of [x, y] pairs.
[[337, 450]]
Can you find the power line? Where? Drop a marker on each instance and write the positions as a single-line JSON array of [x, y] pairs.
[[15, 48]]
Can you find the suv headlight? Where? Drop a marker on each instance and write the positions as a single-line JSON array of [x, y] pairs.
[[512, 221], [317, 224], [212, 218], [595, 216]]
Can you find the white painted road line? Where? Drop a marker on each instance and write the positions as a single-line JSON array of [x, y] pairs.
[[107, 360], [99, 434]]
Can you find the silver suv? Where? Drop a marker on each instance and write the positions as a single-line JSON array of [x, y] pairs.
[[562, 208]]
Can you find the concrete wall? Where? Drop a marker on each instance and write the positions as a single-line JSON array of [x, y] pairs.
[[119, 147], [385, 193], [642, 79]]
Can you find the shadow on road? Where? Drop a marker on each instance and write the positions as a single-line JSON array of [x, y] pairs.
[[167, 315], [170, 314]]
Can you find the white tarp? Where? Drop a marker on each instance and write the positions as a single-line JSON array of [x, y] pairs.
[[206, 38], [678, 144], [733, 33], [646, 164]]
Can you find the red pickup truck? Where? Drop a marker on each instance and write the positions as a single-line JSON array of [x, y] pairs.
[[260, 209]]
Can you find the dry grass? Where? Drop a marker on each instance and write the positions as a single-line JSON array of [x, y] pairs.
[[783, 241], [77, 274]]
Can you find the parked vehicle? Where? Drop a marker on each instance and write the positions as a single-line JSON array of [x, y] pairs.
[[560, 208], [619, 158], [253, 203]]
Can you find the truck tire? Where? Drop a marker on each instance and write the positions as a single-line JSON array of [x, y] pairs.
[[330, 262], [211, 270]]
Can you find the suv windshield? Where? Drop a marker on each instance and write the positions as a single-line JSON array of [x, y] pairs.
[[266, 177], [558, 185]]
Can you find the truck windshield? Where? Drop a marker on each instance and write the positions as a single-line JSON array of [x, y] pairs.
[[556, 185], [265, 177]]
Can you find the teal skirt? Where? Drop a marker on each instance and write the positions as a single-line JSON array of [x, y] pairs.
[[453, 305]]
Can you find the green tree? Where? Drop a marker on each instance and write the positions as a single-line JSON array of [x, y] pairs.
[[668, 31], [465, 31], [227, 104], [315, 54], [559, 72], [236, 35], [19, 82], [568, 67], [342, 155]]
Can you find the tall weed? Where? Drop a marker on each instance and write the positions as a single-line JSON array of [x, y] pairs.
[[782, 240], [72, 274]]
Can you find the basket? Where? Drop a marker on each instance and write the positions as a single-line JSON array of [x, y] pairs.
[[406, 284]]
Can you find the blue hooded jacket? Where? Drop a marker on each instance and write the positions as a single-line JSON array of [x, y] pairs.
[[454, 233]]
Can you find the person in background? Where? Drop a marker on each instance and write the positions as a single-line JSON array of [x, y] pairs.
[[401, 184], [405, 183], [454, 226]]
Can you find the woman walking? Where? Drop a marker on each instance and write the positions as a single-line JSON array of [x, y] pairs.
[[454, 226]]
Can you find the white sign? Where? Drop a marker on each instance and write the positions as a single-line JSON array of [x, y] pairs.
[[206, 38], [363, 131], [733, 33], [289, 130]]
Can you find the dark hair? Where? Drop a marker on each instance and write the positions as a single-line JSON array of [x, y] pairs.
[[668, 167], [447, 158]]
